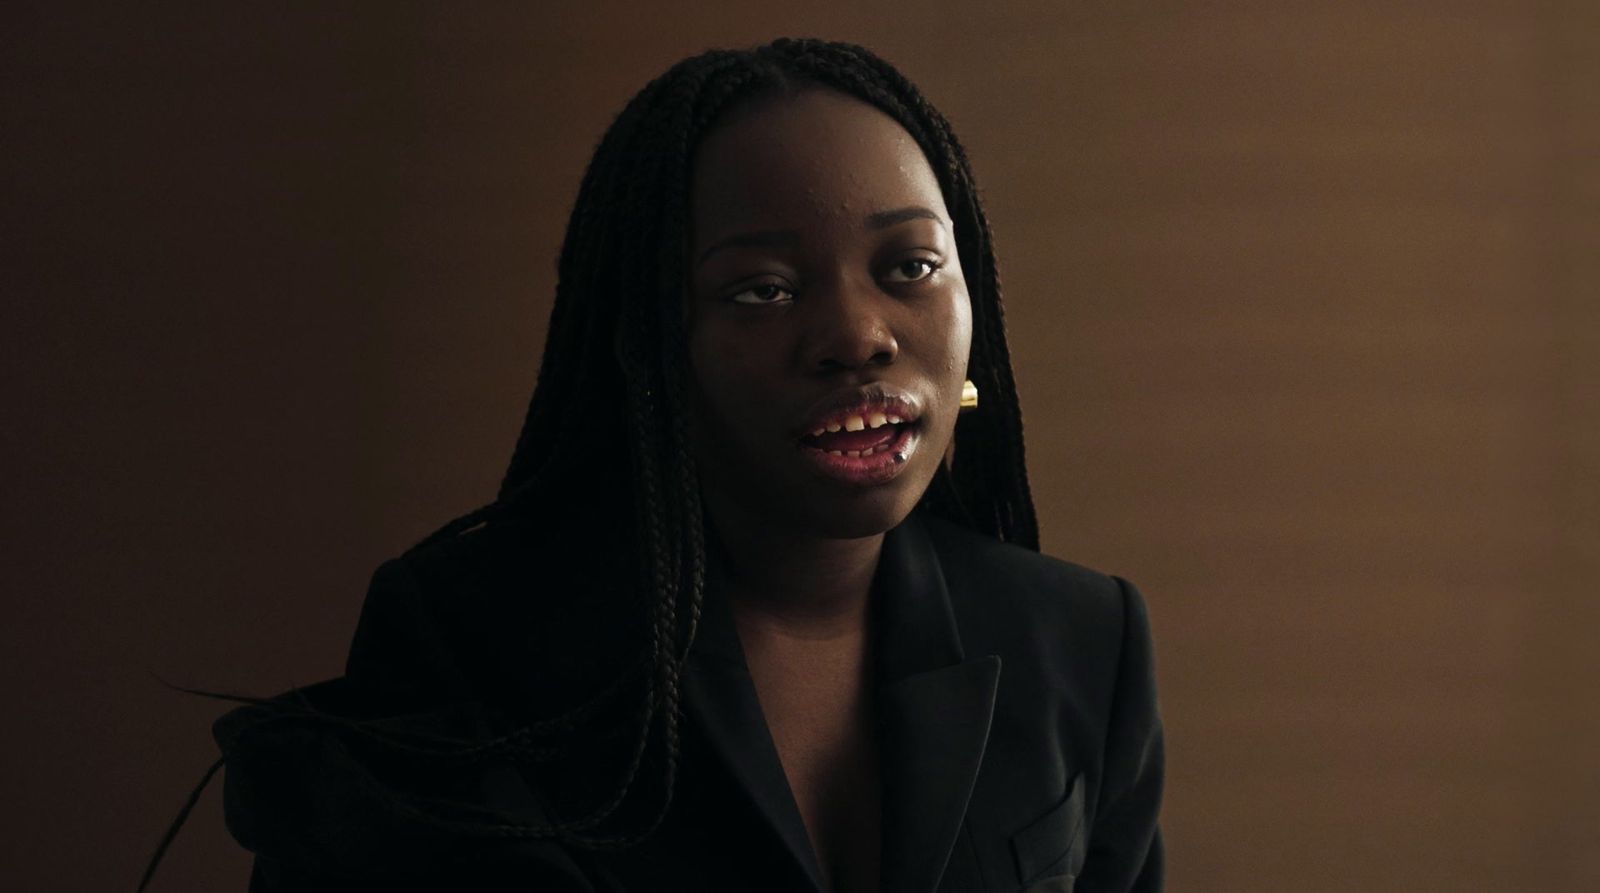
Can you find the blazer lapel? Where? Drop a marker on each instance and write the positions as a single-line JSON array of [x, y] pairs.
[[934, 711], [721, 696]]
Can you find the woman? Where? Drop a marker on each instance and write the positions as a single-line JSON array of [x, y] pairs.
[[752, 610]]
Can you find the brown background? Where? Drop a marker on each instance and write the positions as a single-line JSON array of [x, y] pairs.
[[1303, 298]]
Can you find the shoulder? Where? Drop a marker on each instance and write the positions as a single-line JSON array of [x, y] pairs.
[[483, 561], [1065, 633], [520, 568], [517, 611], [1016, 585]]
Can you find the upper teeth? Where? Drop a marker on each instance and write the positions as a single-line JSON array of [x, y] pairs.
[[859, 423]]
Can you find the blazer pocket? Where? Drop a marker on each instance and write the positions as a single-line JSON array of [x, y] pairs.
[[1049, 852]]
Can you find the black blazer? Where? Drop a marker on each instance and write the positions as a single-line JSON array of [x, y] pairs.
[[1019, 735]]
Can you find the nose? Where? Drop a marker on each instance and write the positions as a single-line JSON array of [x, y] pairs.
[[849, 329]]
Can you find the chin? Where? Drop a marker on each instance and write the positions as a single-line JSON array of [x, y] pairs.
[[865, 513], [791, 501]]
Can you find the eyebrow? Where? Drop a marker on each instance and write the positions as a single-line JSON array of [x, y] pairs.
[[766, 238], [886, 219]]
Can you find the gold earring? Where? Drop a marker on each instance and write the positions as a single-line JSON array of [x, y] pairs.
[[969, 395]]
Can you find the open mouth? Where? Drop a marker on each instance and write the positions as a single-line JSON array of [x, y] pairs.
[[860, 434]]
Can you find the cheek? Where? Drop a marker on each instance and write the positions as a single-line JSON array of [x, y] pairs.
[[721, 370], [957, 328]]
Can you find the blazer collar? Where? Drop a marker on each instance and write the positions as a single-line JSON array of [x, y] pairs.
[[934, 709]]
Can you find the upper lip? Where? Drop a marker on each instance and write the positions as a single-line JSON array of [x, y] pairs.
[[841, 404]]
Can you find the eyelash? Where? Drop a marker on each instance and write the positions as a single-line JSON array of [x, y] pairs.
[[932, 266], [734, 298]]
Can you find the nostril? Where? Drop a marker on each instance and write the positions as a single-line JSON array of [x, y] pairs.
[[849, 334], [839, 360]]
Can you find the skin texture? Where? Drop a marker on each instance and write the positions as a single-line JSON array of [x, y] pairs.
[[817, 292]]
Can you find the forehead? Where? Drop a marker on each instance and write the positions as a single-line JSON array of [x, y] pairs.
[[816, 158]]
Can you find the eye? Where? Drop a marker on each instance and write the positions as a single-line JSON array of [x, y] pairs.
[[913, 269], [762, 294]]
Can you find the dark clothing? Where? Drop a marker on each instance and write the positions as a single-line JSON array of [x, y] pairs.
[[1018, 731]]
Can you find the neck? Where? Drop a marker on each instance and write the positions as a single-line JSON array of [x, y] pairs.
[[804, 587]]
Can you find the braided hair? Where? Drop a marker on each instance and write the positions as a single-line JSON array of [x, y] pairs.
[[617, 339]]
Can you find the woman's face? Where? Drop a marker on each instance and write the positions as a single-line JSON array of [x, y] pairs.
[[829, 323]]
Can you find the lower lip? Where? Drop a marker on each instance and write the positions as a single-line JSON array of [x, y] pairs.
[[864, 471]]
